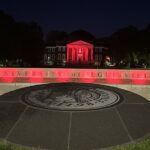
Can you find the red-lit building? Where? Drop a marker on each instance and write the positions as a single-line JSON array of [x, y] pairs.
[[74, 53]]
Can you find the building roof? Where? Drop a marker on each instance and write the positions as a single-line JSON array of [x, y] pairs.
[[80, 42], [64, 43]]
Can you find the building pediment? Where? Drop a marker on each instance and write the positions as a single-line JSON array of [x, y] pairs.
[[80, 42]]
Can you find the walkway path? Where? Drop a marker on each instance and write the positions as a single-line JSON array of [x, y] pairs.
[[73, 116]]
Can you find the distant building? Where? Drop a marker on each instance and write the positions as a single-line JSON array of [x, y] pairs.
[[74, 53]]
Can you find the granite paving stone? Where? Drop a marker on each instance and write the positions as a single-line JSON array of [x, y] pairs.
[[9, 114], [129, 97], [137, 118], [73, 116], [96, 129], [43, 129], [14, 96]]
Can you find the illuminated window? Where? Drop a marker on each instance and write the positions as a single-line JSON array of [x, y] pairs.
[[63, 56], [49, 57], [80, 51], [63, 49]]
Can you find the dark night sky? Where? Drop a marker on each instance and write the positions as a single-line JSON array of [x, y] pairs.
[[101, 18]]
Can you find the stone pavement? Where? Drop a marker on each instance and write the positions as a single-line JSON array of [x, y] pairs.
[[73, 116]]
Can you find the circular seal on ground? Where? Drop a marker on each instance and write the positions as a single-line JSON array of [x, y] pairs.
[[71, 97]]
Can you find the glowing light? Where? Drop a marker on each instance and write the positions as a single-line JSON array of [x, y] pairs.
[[62, 75], [79, 52], [113, 76], [88, 76], [139, 76], [35, 75], [8, 75], [107, 57], [41, 75]]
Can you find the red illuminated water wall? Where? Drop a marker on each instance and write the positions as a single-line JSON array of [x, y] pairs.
[[79, 52], [46, 75]]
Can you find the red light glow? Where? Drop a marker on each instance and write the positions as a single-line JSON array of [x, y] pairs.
[[139, 76], [113, 76], [8, 75], [36, 75], [39, 75], [88, 76], [62, 75], [79, 52]]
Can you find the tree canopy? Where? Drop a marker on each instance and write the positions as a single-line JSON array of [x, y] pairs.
[[20, 40]]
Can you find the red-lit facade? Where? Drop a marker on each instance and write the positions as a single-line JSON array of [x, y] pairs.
[[80, 52], [74, 53]]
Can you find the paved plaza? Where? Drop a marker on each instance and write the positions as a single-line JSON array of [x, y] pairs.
[[73, 116]]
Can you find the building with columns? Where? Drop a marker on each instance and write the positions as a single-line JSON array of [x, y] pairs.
[[75, 53], [80, 52]]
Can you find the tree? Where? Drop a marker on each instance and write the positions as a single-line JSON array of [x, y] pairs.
[[80, 35], [6, 25], [28, 42], [124, 41], [20, 40], [55, 36]]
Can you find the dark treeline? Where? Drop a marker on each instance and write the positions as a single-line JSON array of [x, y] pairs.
[[130, 43], [21, 40], [53, 37]]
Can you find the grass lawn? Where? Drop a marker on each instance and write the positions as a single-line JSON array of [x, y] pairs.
[[142, 145]]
